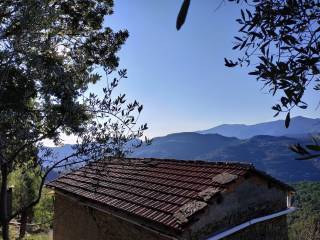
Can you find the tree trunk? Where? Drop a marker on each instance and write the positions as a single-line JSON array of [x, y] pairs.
[[23, 224], [4, 202]]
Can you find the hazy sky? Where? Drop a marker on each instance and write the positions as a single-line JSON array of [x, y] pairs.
[[180, 77]]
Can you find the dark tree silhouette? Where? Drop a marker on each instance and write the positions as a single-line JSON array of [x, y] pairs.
[[49, 54]]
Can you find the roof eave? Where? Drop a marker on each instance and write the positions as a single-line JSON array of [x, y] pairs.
[[162, 229]]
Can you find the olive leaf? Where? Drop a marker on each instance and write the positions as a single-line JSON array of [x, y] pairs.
[[182, 14]]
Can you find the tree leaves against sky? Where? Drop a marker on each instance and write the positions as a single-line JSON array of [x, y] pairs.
[[281, 41], [50, 52]]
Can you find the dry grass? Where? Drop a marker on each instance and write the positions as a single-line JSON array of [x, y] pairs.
[[14, 232]]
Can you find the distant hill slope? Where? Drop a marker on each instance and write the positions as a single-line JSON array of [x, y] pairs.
[[186, 145], [268, 153], [298, 126]]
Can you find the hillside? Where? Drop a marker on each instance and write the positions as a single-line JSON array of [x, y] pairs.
[[304, 224], [298, 126], [186, 145], [268, 153]]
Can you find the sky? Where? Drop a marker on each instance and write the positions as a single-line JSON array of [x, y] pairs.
[[179, 76]]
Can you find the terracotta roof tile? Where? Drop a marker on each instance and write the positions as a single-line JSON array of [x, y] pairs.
[[153, 189]]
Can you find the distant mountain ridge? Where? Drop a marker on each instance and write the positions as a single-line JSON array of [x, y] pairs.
[[298, 126], [266, 145], [267, 153]]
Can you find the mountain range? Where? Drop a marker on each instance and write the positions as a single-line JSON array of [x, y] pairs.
[[298, 126], [268, 153], [265, 145]]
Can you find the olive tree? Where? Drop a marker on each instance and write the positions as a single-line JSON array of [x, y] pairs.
[[280, 39], [50, 53]]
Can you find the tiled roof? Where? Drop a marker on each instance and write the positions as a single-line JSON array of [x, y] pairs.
[[165, 192]]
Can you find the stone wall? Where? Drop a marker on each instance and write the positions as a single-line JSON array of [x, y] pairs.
[[76, 221], [273, 229], [244, 201]]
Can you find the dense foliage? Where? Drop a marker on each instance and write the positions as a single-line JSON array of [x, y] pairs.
[[43, 211], [25, 185], [50, 52], [304, 224]]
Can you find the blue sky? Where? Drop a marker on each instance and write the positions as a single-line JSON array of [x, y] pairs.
[[180, 77]]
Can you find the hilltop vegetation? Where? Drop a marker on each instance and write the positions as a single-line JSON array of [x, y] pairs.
[[304, 224]]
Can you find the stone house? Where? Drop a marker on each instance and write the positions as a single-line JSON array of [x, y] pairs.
[[153, 199]]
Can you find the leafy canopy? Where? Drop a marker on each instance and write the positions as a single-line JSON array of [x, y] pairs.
[[50, 52]]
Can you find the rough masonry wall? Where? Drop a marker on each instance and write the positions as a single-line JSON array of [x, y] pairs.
[[274, 229], [74, 221], [249, 199]]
